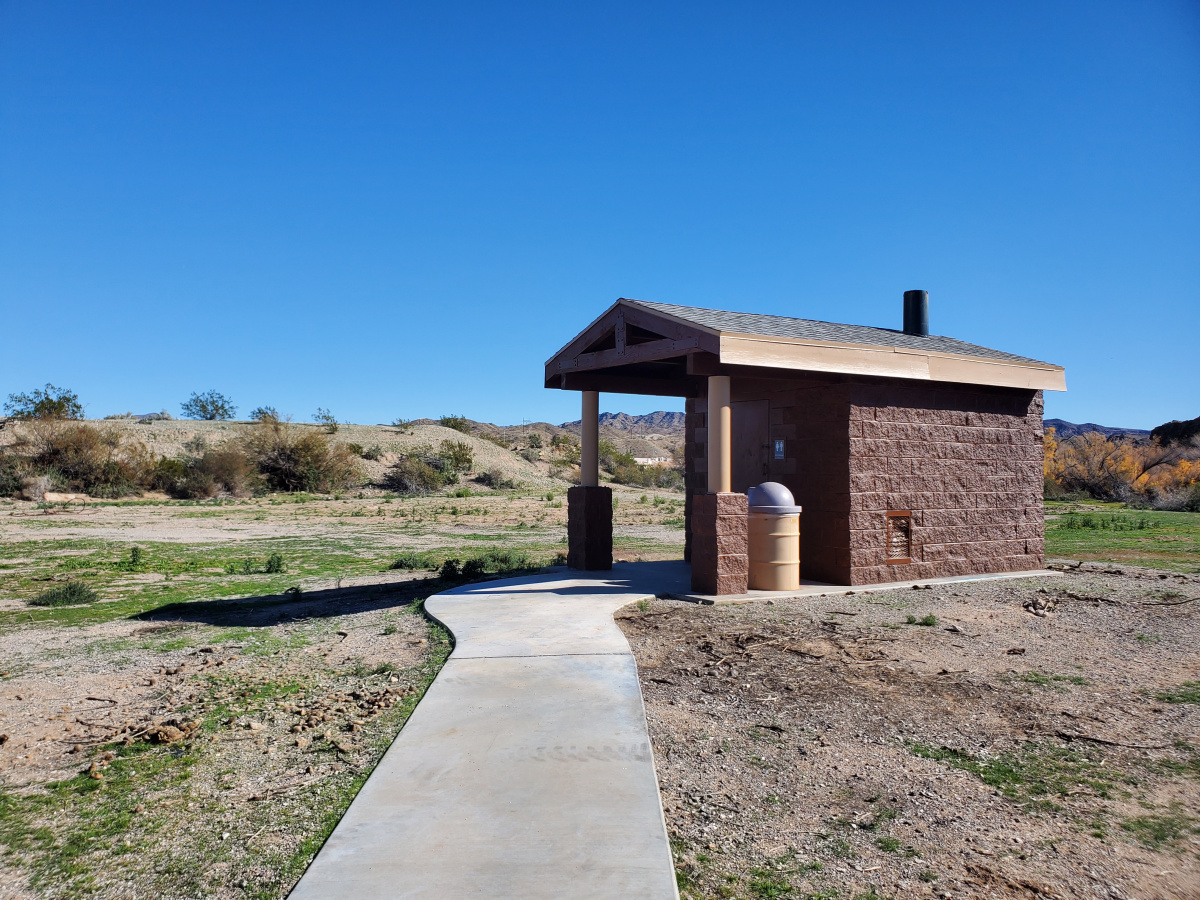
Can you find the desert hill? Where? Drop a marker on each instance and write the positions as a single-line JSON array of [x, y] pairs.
[[1065, 429]]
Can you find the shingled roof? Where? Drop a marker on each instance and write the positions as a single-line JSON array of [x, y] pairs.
[[722, 321], [641, 344]]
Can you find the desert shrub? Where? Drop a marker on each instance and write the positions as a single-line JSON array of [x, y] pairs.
[[264, 414], [458, 423], [274, 564], [225, 470], [457, 455], [413, 475], [404, 426], [167, 475], [11, 474], [535, 441], [326, 420], [160, 416], [356, 449], [496, 480], [494, 562], [410, 560], [49, 402], [451, 570], [292, 459], [69, 594], [34, 487], [531, 455], [210, 405], [372, 453], [86, 459]]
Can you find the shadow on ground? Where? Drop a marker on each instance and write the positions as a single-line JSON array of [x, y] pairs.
[[272, 609]]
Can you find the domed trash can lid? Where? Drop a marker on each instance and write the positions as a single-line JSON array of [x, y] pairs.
[[773, 499]]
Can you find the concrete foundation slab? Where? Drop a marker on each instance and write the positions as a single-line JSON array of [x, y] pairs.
[[820, 589]]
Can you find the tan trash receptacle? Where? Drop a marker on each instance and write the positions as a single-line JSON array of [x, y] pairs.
[[774, 538]]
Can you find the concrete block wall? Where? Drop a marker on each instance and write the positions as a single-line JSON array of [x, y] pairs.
[[965, 460]]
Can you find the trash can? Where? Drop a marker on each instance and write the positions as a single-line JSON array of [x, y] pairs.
[[774, 538]]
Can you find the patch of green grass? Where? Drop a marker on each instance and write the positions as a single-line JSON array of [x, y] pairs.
[[1164, 540], [1163, 829], [767, 884], [1188, 692], [1033, 775]]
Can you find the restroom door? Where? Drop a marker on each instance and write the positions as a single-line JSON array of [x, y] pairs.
[[750, 440]]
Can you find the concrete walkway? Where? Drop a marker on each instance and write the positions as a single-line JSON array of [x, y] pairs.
[[526, 770]]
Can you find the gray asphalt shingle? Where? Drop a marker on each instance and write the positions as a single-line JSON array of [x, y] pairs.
[[785, 327]]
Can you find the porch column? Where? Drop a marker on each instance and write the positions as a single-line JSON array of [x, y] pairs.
[[589, 506], [589, 451], [720, 539], [720, 436]]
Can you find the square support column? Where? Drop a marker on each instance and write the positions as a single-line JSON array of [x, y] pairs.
[[589, 506], [720, 543], [589, 528], [720, 436]]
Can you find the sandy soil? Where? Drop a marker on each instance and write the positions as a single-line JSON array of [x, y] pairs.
[[1016, 748]]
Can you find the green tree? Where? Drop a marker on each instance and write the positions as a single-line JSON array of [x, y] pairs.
[[49, 402], [210, 406]]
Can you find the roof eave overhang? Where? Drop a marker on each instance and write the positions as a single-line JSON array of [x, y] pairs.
[[886, 362], [682, 337]]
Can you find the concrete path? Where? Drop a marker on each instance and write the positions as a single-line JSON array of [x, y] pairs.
[[526, 770]]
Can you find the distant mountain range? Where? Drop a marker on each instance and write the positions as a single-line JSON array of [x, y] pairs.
[[660, 422], [1066, 429]]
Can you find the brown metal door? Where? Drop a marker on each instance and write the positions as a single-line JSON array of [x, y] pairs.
[[749, 439]]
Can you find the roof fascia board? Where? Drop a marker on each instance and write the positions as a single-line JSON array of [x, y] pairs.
[[582, 335], [891, 362]]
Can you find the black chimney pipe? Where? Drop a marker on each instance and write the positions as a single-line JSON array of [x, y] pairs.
[[916, 312]]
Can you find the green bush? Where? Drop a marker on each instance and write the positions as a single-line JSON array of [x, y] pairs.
[[534, 441], [373, 452], [10, 474], [451, 570], [410, 561], [71, 593], [457, 455], [327, 420], [264, 414], [496, 480], [493, 562], [274, 564], [413, 475], [458, 423]]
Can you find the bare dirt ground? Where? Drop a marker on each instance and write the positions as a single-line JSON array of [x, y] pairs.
[[199, 749], [199, 729], [1033, 738]]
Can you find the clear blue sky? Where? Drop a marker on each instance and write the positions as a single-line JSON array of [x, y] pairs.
[[395, 209]]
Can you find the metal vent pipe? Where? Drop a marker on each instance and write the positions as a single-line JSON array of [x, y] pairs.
[[916, 312]]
